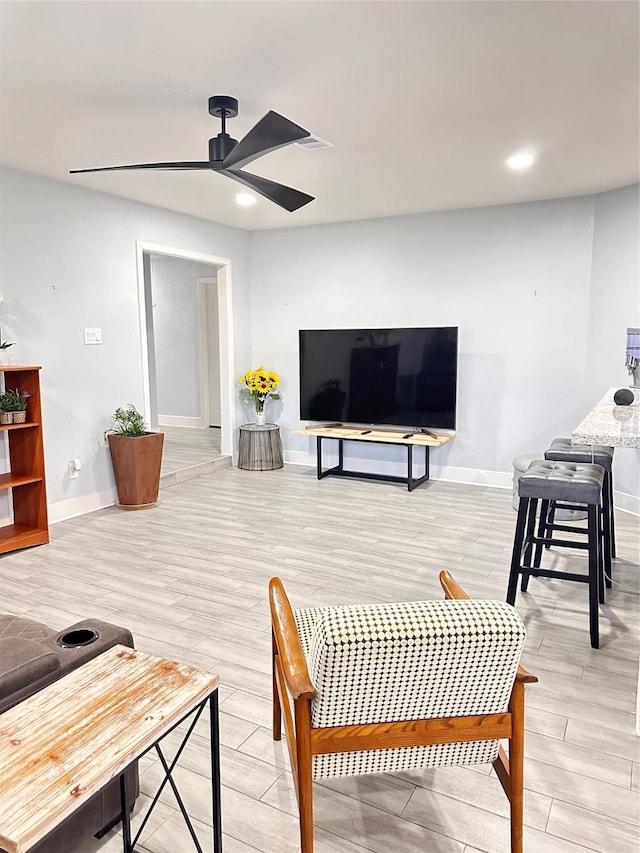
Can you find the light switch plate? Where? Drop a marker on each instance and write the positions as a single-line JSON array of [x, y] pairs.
[[93, 336]]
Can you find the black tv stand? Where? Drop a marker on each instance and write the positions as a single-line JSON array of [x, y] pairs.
[[424, 438]]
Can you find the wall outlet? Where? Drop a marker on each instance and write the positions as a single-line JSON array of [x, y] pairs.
[[74, 468], [93, 336]]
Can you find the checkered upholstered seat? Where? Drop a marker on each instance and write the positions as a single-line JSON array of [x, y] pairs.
[[409, 661], [383, 688]]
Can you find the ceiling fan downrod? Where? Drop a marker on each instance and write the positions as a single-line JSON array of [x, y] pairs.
[[222, 107]]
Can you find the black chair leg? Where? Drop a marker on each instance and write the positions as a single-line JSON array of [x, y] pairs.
[[595, 574], [516, 555]]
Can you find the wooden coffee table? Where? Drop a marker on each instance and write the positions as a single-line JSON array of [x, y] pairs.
[[62, 745]]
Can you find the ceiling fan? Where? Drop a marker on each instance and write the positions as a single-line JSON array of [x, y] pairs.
[[227, 155]]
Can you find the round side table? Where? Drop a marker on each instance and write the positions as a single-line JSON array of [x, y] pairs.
[[260, 447]]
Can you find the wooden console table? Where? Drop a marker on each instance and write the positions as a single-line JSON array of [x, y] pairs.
[[377, 436], [62, 745]]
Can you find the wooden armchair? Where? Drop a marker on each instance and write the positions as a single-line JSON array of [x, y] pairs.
[[382, 688]]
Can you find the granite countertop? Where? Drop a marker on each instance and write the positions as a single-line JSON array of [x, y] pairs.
[[611, 425]]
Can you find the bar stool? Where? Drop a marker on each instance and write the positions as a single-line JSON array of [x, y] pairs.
[[562, 450], [566, 483]]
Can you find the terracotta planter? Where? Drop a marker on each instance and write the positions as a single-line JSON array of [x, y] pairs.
[[136, 466]]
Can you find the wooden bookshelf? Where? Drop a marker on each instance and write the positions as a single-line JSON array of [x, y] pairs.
[[26, 479]]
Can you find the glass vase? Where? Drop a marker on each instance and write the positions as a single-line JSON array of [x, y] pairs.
[[260, 412]]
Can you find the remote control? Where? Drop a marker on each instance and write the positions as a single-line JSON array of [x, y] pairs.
[[365, 432]]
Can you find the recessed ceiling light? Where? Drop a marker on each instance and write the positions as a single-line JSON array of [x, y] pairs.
[[245, 199], [520, 162]]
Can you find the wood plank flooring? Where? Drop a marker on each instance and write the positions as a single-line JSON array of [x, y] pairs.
[[189, 578]]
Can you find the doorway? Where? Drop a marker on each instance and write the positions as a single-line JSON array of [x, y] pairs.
[[187, 340]]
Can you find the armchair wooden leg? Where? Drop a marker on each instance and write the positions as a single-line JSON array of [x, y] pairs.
[[516, 767], [304, 776], [277, 710]]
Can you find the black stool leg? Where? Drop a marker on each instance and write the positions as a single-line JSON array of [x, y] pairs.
[[601, 562], [528, 547], [606, 531], [543, 532], [595, 573], [517, 550], [612, 512], [551, 517]]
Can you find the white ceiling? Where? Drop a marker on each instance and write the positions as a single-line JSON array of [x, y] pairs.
[[423, 101]]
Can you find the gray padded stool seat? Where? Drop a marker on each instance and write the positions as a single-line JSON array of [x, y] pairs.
[[520, 465], [570, 483], [562, 450]]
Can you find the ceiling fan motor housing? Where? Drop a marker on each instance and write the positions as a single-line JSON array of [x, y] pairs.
[[220, 146]]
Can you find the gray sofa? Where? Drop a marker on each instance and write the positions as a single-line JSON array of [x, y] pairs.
[[32, 656]]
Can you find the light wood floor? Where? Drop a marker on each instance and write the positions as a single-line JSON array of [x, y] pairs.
[[189, 578]]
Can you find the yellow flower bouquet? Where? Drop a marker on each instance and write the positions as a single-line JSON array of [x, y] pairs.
[[258, 386]]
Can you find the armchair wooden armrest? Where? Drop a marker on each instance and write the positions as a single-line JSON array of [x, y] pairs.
[[288, 645]]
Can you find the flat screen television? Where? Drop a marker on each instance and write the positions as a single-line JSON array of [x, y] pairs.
[[402, 377]]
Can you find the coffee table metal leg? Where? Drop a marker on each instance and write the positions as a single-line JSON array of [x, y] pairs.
[[126, 820], [215, 772]]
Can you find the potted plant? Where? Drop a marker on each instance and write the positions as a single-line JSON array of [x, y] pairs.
[[136, 455], [16, 403], [259, 385], [6, 412]]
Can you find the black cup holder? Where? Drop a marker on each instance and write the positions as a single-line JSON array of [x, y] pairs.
[[82, 637]]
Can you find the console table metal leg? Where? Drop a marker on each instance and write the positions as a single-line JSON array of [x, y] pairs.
[[126, 819], [410, 467], [414, 482], [215, 773]]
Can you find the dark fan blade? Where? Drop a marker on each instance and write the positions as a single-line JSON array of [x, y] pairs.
[[194, 165], [283, 196], [271, 132]]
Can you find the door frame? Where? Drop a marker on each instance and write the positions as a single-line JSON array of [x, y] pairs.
[[225, 329], [204, 291]]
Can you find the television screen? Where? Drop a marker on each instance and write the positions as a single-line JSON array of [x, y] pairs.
[[405, 377]]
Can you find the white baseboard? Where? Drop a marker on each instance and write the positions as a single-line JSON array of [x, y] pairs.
[[471, 476], [61, 510], [627, 503], [447, 473], [180, 421]]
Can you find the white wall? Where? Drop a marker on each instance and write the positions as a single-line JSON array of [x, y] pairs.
[[541, 332], [68, 260], [175, 294], [615, 306], [514, 278]]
